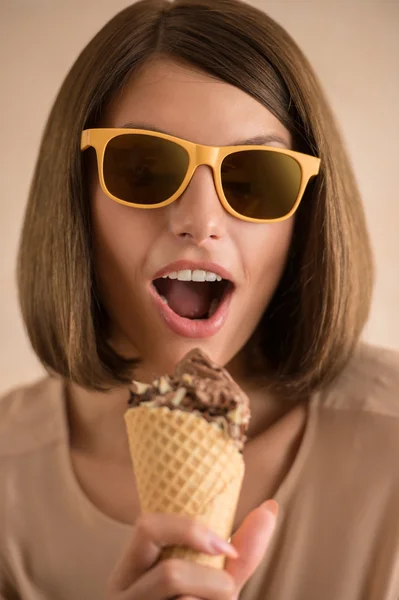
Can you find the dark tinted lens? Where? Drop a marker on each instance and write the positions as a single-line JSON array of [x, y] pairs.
[[144, 169], [261, 184]]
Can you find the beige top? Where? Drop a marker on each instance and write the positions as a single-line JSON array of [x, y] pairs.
[[338, 531]]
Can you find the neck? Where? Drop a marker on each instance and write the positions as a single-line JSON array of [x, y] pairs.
[[96, 423]]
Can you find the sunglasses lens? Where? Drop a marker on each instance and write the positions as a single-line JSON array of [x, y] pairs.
[[144, 169], [261, 184]]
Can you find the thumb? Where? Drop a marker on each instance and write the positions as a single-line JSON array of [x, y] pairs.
[[252, 540]]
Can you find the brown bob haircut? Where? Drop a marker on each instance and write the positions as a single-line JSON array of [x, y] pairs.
[[315, 318]]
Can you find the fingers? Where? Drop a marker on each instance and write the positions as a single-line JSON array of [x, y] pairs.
[[177, 577], [252, 540], [154, 531], [139, 575]]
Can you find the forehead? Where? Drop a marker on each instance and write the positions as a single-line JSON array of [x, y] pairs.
[[191, 104]]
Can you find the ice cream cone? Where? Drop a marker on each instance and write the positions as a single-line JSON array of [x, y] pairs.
[[186, 465]]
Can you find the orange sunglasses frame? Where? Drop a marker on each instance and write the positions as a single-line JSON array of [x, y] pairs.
[[198, 155]]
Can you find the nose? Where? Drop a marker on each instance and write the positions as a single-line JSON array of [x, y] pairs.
[[198, 214]]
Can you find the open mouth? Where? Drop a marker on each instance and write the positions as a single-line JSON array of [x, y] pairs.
[[194, 300]]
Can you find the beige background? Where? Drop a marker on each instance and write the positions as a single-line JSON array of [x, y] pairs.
[[354, 47]]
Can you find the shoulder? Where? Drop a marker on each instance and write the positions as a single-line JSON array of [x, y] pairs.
[[357, 423], [30, 416], [369, 383], [360, 408]]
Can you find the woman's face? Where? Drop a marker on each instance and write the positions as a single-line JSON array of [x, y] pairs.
[[132, 246]]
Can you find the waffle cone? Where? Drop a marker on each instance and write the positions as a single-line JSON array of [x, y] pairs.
[[185, 465]]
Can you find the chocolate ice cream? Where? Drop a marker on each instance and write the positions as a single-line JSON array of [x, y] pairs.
[[198, 385]]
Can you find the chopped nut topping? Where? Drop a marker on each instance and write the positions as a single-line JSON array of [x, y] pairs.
[[222, 422], [150, 404], [164, 385], [236, 415], [141, 388], [178, 397], [188, 379]]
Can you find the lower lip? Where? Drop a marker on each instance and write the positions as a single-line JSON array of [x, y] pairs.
[[192, 328]]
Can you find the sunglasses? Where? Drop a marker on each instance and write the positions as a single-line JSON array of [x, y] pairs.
[[148, 169]]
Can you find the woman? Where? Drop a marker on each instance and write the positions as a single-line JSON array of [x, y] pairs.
[[273, 209]]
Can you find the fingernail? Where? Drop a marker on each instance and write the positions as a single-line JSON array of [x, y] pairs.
[[271, 506], [220, 546]]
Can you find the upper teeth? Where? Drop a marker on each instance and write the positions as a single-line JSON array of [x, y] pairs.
[[197, 275]]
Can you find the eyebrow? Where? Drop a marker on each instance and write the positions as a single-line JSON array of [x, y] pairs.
[[259, 140]]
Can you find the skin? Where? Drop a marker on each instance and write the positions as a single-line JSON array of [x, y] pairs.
[[130, 246], [136, 578]]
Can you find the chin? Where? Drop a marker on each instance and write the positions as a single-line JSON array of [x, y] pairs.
[[161, 354]]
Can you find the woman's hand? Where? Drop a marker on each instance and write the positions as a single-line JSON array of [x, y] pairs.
[[138, 575]]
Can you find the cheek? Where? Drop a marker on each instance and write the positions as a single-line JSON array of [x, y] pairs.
[[122, 241], [266, 254], [121, 234]]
